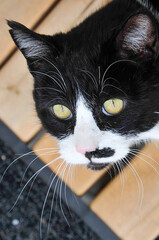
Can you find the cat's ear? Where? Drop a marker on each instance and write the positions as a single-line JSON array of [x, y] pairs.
[[31, 44], [138, 38]]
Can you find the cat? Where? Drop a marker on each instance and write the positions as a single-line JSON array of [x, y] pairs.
[[96, 87]]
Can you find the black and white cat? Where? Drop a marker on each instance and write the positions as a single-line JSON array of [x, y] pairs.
[[97, 87]]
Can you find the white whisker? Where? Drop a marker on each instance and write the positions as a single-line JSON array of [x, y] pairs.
[[91, 76], [52, 201], [53, 151], [62, 173], [144, 154], [68, 171], [145, 162], [72, 171], [47, 75], [48, 88], [99, 75], [37, 172], [122, 60], [21, 156], [61, 198], [110, 85], [56, 70], [139, 182], [46, 197], [115, 169], [121, 179]]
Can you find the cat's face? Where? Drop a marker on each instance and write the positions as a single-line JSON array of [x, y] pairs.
[[96, 88]]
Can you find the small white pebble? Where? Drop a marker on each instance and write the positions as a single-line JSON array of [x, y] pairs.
[[3, 157], [15, 222]]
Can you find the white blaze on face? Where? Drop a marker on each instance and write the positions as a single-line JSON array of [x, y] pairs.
[[86, 133], [86, 136]]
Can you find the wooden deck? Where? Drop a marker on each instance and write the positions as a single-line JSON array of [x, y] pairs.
[[117, 205]]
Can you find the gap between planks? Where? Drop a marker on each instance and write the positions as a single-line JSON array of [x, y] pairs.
[[24, 12], [119, 205]]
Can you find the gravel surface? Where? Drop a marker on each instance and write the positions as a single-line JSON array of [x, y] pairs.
[[23, 222]]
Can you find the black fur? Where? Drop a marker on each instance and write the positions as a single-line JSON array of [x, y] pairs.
[[82, 56]]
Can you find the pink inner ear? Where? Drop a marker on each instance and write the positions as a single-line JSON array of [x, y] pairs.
[[138, 37]]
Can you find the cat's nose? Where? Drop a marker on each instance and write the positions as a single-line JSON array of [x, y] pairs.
[[83, 150]]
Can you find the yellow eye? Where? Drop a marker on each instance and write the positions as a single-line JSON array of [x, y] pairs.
[[61, 112], [113, 106]]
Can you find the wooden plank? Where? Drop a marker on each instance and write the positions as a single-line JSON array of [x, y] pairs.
[[121, 207], [94, 5], [27, 12], [64, 20], [77, 177], [16, 103]]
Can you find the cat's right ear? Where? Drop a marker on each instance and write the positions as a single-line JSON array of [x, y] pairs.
[[138, 38], [31, 44]]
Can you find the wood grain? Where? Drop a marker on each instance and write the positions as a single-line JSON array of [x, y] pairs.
[[78, 178], [16, 103], [27, 12], [121, 207], [94, 5]]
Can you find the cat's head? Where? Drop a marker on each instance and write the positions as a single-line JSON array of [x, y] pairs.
[[96, 88]]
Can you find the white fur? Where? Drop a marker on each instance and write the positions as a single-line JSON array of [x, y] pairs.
[[139, 34], [31, 46], [88, 135], [148, 5]]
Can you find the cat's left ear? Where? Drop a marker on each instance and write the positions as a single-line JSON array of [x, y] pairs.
[[31, 44], [138, 38]]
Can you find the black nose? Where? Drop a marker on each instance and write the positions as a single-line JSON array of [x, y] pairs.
[[105, 152]]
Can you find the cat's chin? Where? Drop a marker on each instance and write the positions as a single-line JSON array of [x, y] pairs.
[[97, 166]]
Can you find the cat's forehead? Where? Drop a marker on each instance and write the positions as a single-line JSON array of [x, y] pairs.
[[97, 80]]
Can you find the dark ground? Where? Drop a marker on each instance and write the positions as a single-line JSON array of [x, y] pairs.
[[23, 222]]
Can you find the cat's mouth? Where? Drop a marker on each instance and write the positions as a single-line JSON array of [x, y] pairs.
[[104, 153], [97, 166]]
